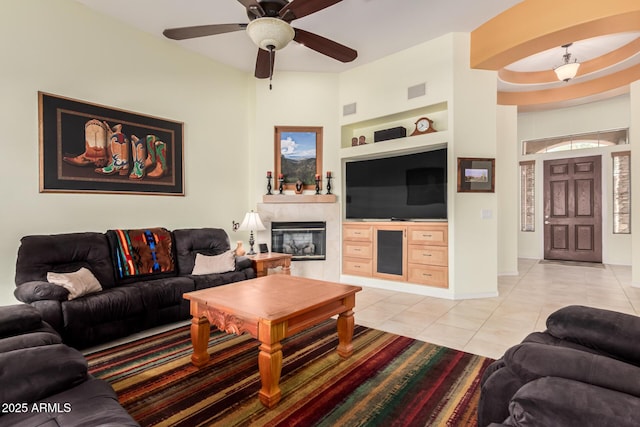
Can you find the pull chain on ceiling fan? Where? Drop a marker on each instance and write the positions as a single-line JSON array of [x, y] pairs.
[[269, 28]]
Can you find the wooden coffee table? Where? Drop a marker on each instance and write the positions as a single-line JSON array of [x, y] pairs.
[[270, 308]]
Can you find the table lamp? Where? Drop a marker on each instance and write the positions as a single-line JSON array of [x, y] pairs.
[[251, 223]]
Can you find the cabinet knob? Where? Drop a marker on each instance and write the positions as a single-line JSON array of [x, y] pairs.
[[426, 275], [424, 254]]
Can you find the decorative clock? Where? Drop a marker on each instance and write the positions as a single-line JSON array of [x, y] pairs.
[[423, 125]]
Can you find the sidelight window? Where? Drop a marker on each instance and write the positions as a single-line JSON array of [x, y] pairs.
[[527, 196], [621, 192]]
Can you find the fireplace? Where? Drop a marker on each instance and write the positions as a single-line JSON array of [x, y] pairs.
[[304, 240]]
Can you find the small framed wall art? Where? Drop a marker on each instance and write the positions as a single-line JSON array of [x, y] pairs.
[[298, 156], [476, 175]]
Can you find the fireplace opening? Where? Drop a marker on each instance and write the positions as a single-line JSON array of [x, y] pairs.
[[304, 240]]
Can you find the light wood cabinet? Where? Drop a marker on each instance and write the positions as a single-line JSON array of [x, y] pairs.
[[412, 252]]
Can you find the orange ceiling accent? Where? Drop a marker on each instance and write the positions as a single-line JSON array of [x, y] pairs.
[[537, 25], [587, 67], [578, 90]]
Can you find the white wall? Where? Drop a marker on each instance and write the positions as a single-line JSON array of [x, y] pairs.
[[507, 188], [61, 47], [635, 182], [614, 113]]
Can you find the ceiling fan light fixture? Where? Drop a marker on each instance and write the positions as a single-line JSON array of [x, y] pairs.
[[270, 33], [568, 70]]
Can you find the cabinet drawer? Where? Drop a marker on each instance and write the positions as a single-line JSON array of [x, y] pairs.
[[432, 255], [356, 232], [357, 249], [432, 235], [357, 266], [428, 275]]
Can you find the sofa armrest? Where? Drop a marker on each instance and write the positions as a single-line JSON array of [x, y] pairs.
[[610, 332], [242, 263], [553, 401], [39, 290], [530, 361], [37, 372], [18, 318]]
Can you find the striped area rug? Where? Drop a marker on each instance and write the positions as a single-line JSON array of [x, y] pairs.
[[389, 380]]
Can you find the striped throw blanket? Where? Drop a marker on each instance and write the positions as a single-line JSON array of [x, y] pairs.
[[143, 251]]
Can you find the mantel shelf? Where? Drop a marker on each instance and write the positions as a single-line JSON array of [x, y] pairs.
[[299, 198]]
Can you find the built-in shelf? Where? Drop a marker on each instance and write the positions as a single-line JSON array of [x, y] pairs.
[[299, 198]]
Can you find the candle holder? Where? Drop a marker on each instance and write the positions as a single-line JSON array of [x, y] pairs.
[[280, 184], [318, 185], [269, 193], [329, 184]]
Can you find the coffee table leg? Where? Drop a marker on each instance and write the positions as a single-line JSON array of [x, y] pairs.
[[270, 362], [199, 340], [345, 333]]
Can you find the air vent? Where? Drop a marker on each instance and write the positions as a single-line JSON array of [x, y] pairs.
[[417, 90], [349, 109]]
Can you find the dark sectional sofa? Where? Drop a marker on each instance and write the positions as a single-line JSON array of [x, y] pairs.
[[126, 304], [44, 382], [584, 370]]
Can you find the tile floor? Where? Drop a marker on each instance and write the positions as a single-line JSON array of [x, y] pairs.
[[491, 325]]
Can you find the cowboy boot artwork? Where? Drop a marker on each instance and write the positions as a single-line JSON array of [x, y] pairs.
[[119, 148], [95, 146], [138, 157], [160, 168]]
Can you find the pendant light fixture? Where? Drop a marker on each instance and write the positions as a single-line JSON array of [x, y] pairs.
[[568, 70]]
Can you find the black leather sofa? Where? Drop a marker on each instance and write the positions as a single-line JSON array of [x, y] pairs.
[[44, 382], [126, 304], [584, 370]]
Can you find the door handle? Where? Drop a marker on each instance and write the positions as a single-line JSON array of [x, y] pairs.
[[546, 222]]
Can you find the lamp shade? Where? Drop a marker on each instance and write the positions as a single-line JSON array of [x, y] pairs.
[[251, 222], [567, 71], [268, 31]]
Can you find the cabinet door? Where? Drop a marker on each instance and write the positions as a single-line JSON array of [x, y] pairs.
[[357, 232], [430, 275], [357, 249], [390, 249]]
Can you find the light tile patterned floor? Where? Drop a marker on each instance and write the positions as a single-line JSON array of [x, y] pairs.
[[491, 325]]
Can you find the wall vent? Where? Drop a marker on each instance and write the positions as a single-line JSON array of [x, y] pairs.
[[349, 109], [417, 90]]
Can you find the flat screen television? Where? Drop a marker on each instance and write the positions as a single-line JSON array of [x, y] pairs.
[[404, 187]]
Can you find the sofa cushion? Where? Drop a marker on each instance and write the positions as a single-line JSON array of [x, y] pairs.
[[211, 280], [18, 318], [209, 264], [38, 372], [142, 253], [617, 334], [78, 283], [64, 253], [192, 241], [164, 292], [44, 336]]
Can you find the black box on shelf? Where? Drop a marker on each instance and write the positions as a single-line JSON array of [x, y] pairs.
[[392, 133]]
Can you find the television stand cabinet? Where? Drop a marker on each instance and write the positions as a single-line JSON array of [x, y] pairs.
[[412, 252]]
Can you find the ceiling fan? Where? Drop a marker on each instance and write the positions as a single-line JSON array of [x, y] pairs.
[[270, 30]]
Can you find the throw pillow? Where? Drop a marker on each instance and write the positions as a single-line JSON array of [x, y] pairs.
[[214, 264], [78, 283]]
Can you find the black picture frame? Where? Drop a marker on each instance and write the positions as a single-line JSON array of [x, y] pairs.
[[263, 248], [76, 156], [476, 175]]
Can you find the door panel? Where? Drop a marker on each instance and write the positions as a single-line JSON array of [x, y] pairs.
[[573, 209]]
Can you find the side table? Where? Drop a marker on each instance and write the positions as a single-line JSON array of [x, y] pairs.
[[263, 262]]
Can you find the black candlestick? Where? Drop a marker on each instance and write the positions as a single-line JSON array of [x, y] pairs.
[[268, 186], [280, 185], [328, 185], [317, 185]]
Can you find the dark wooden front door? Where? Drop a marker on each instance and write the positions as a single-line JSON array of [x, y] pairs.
[[573, 209]]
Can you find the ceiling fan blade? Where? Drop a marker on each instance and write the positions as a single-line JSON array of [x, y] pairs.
[[253, 7], [325, 46], [264, 63], [201, 31], [299, 8]]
